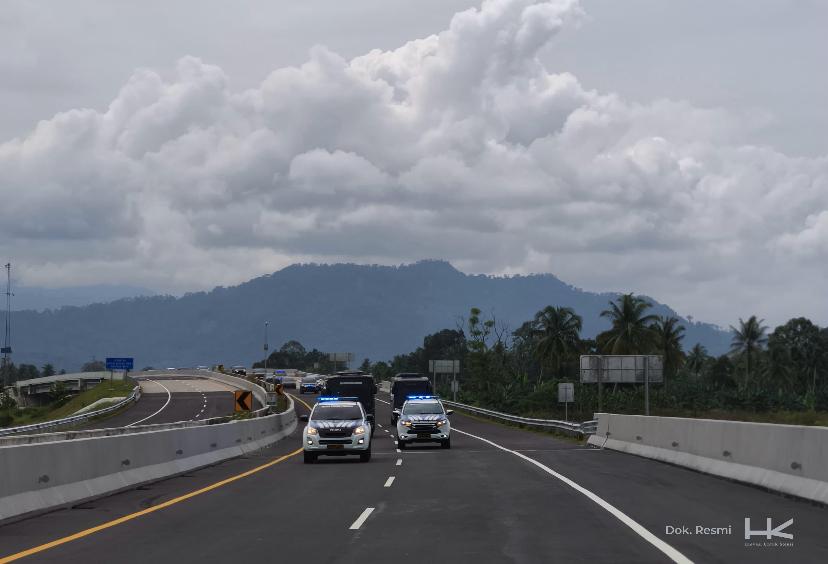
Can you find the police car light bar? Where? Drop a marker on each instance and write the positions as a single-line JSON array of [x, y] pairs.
[[337, 398], [422, 397]]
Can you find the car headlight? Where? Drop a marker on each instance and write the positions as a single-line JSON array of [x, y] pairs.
[[441, 422], [407, 423], [359, 430], [312, 431]]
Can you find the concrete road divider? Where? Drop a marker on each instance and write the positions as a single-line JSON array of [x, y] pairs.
[[791, 459], [41, 476]]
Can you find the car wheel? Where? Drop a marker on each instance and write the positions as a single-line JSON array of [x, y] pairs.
[[445, 444], [310, 457], [365, 456]]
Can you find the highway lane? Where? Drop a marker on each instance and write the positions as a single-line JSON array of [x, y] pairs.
[[170, 399], [658, 496], [473, 503]]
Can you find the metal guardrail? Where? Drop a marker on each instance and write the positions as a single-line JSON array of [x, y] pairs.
[[134, 396], [585, 428]]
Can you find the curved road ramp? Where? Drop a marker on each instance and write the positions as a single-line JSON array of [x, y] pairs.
[[82, 465], [792, 459]]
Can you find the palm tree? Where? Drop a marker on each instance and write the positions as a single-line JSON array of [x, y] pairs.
[[558, 334], [697, 358], [667, 334], [747, 339], [630, 332]]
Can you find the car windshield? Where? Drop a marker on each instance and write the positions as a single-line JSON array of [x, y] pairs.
[[329, 412], [423, 408], [310, 379]]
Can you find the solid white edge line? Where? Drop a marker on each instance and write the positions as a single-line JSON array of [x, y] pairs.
[[169, 397], [639, 529], [361, 519], [383, 401], [388, 482]]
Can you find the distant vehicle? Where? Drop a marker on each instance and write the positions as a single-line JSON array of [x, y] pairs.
[[404, 385], [337, 427], [423, 419], [309, 384], [172, 368], [353, 383], [238, 370], [202, 368]]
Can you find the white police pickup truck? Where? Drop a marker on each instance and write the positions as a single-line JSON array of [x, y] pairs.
[[337, 427], [423, 419]]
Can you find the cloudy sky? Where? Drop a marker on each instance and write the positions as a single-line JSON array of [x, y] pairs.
[[673, 148]]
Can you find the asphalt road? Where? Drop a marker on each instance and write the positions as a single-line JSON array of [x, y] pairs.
[[508, 496], [170, 399]]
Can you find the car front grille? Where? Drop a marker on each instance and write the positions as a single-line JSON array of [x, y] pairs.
[[334, 441], [334, 434]]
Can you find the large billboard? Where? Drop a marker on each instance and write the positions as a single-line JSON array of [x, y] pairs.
[[624, 369]]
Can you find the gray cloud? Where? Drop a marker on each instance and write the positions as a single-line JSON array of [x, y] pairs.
[[461, 145]]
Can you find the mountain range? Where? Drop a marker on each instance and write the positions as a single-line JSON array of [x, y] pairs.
[[372, 311]]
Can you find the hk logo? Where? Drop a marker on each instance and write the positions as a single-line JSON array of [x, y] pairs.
[[770, 531]]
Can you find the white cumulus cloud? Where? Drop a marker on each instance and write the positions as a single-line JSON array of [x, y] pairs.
[[461, 145]]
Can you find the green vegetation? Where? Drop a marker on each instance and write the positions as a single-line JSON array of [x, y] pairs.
[[776, 377], [62, 405]]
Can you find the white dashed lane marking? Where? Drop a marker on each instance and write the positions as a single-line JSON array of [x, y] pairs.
[[361, 519], [389, 481]]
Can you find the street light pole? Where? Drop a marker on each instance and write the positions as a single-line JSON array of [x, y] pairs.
[[265, 347]]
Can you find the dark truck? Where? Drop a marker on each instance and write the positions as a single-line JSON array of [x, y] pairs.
[[407, 384], [353, 384]]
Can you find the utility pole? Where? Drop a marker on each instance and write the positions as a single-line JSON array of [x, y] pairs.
[[6, 350], [265, 347]]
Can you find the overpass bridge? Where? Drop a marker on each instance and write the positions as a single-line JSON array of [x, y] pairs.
[[33, 390]]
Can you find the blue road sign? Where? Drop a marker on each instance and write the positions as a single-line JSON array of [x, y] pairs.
[[119, 363]]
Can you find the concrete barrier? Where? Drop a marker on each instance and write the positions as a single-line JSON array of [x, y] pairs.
[[258, 392], [791, 459], [44, 476]]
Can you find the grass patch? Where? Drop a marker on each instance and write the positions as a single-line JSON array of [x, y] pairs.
[[28, 416]]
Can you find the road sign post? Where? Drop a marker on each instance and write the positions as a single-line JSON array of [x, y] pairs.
[[566, 395], [622, 369], [118, 363], [647, 387], [243, 401], [446, 367], [345, 357]]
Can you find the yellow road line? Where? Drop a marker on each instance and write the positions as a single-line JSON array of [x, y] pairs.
[[294, 397], [131, 516]]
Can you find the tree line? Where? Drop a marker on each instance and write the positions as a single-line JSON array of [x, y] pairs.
[[518, 370]]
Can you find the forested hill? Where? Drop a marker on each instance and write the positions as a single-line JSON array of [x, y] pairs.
[[373, 311]]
